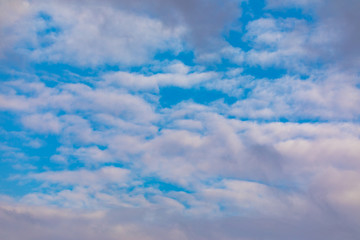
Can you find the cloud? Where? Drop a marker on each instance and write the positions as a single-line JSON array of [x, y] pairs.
[[99, 34], [205, 20], [113, 32], [279, 42], [291, 3], [335, 29], [233, 54], [340, 20], [174, 74], [85, 177], [90, 148], [42, 123], [139, 223], [326, 96], [12, 28]]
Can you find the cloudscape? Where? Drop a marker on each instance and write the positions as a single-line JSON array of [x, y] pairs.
[[180, 119]]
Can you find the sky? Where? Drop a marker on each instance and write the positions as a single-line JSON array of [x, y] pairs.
[[180, 119]]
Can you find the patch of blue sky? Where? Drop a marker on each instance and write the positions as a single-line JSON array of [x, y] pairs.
[[235, 39], [12, 186], [9, 121], [50, 26], [251, 10], [265, 72], [292, 12], [254, 9], [5, 74], [163, 185], [286, 119], [14, 162], [65, 70], [222, 65], [44, 16], [35, 149], [47, 35], [187, 57], [15, 137], [49, 31], [170, 96]]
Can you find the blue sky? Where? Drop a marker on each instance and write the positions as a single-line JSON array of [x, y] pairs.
[[202, 119]]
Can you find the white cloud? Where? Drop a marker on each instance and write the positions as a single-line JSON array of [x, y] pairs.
[[12, 27], [114, 32], [235, 55], [326, 96], [280, 43], [174, 74], [99, 34], [42, 123], [334, 27], [105, 175]]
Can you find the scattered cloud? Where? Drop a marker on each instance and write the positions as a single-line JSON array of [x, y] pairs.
[[179, 120]]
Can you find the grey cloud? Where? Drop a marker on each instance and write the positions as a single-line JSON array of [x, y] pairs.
[[206, 20], [341, 19], [22, 222], [291, 3], [335, 29], [12, 26]]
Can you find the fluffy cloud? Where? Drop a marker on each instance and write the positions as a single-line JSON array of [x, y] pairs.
[[326, 96], [98, 34], [272, 158], [12, 26], [173, 74], [85, 126], [279, 42], [87, 33], [43, 123], [335, 29]]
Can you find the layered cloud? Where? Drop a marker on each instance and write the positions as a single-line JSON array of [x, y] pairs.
[[179, 120]]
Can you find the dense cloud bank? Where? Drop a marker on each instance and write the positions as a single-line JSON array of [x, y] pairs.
[[45, 223]]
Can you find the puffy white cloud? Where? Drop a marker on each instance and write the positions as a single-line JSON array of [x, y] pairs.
[[12, 27], [335, 29], [235, 55], [42, 123], [97, 34], [89, 33], [174, 74], [280, 43], [327, 96]]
